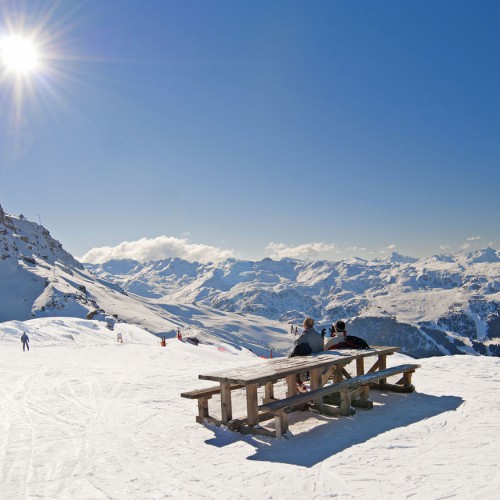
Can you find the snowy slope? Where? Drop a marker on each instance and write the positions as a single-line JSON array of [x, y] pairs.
[[38, 278], [445, 304], [88, 418]]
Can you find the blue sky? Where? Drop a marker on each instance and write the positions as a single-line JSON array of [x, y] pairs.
[[320, 129]]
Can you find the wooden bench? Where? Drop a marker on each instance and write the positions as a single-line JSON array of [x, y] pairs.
[[203, 395], [349, 389]]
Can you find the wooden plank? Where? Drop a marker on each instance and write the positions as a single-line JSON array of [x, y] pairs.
[[358, 403], [351, 383], [203, 407], [269, 390], [208, 392], [225, 402], [291, 383], [356, 399], [393, 387], [280, 423], [252, 411], [334, 411], [358, 391], [407, 379], [338, 374], [382, 365], [375, 367], [346, 373], [345, 400], [316, 382], [360, 366], [328, 374], [277, 368]]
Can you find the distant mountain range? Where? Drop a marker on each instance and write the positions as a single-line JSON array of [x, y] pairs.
[[446, 304]]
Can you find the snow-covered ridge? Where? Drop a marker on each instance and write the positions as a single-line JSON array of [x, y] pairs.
[[39, 279]]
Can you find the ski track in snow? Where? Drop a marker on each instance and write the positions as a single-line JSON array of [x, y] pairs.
[[101, 420]]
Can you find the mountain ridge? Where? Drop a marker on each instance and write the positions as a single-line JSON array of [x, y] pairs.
[[445, 303], [39, 279], [431, 306]]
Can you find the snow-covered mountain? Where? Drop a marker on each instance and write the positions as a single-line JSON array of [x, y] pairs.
[[445, 304], [38, 278]]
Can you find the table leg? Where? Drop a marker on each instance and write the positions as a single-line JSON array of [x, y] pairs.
[[338, 374], [360, 366], [269, 392], [291, 383], [281, 423], [252, 403], [316, 383], [382, 365], [360, 370], [407, 380], [225, 402], [203, 407]]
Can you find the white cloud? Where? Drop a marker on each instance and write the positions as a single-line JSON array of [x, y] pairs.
[[465, 246], [304, 251], [388, 248], [158, 248], [473, 238], [444, 247]]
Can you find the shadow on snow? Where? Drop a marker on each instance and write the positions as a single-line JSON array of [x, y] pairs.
[[331, 435]]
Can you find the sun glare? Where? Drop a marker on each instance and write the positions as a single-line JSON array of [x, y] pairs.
[[18, 54]]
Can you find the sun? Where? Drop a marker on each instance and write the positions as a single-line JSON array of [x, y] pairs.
[[19, 55]]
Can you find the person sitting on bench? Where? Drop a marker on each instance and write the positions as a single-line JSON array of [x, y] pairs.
[[340, 339], [309, 342]]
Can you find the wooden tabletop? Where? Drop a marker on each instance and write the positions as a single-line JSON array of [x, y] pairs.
[[277, 368]]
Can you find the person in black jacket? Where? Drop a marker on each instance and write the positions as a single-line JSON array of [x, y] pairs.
[[26, 341], [340, 339]]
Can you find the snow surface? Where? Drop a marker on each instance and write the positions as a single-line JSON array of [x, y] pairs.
[[84, 417]]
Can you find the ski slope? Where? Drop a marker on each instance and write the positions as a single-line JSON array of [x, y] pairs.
[[84, 417]]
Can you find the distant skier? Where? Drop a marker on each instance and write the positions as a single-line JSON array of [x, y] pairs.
[[26, 341]]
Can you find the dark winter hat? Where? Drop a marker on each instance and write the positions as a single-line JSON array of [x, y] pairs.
[[339, 326]]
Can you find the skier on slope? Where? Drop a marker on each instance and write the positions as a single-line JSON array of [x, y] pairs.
[[26, 341]]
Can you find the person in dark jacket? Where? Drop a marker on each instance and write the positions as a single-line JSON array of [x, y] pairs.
[[310, 342], [340, 339], [26, 341]]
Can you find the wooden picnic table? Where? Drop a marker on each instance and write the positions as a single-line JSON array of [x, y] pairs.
[[321, 367]]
